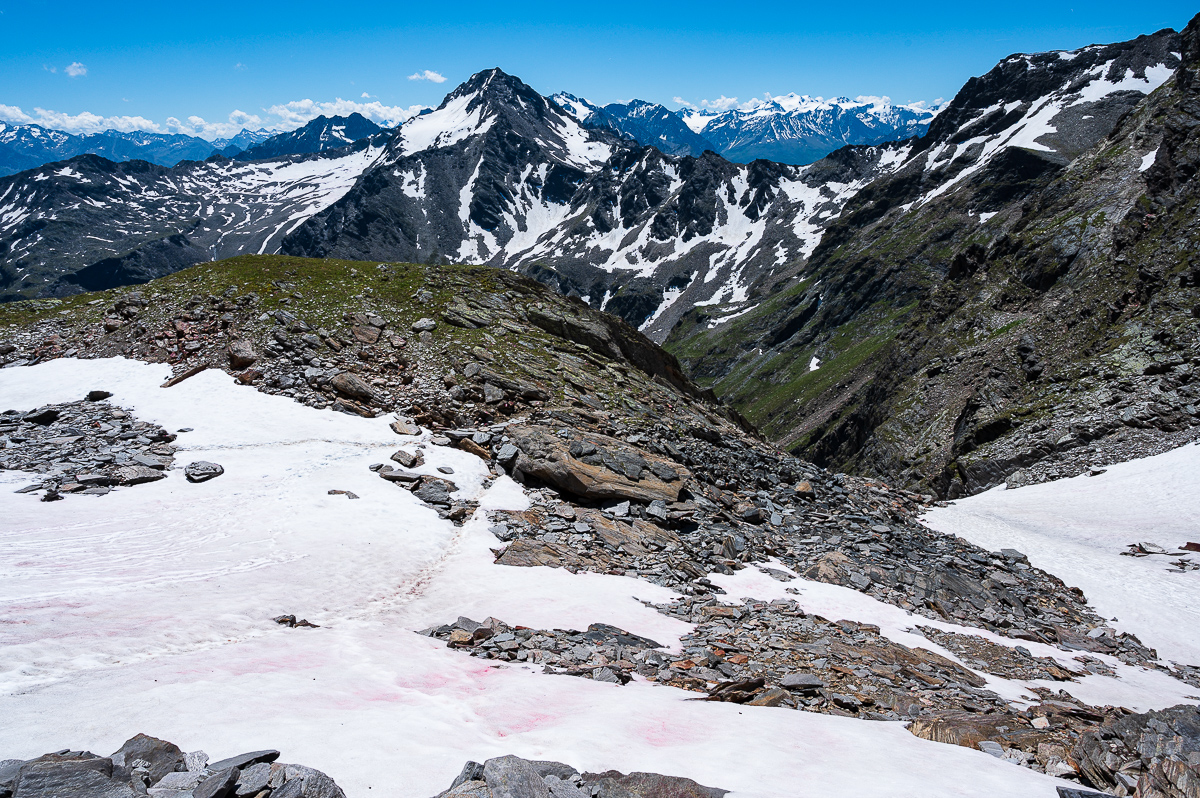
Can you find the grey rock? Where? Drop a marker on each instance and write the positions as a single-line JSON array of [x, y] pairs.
[[561, 788], [241, 354], [202, 471], [180, 780], [513, 777], [801, 682], [138, 475], [70, 776], [253, 779], [245, 760], [404, 426], [472, 771], [219, 785], [351, 385], [408, 459], [424, 325], [160, 756], [195, 760]]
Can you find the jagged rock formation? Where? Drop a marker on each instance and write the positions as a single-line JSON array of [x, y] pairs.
[[500, 175], [497, 175], [1011, 303]]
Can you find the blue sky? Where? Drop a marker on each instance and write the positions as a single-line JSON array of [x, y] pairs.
[[193, 67]]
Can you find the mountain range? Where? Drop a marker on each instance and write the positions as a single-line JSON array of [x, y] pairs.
[[787, 288], [793, 129], [789, 129], [25, 147]]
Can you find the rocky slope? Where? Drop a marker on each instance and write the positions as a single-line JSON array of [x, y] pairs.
[[147, 765], [89, 223], [1012, 303], [500, 175], [631, 469]]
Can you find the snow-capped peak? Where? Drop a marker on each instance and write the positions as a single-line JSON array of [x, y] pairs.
[[492, 98]]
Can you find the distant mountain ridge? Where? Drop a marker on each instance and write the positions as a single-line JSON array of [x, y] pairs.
[[29, 146], [322, 133], [793, 129], [25, 147], [801, 129]]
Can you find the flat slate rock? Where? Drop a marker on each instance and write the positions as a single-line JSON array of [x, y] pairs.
[[245, 760]]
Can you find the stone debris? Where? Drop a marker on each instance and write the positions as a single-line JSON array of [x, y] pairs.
[[513, 777], [1148, 755], [86, 448], [148, 766], [291, 622]]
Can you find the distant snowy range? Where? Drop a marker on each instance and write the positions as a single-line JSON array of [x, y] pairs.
[[795, 129]]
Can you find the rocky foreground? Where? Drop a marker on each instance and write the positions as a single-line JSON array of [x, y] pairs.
[[630, 469], [146, 765]]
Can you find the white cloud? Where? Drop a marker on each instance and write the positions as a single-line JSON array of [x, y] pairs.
[[284, 117], [428, 74], [298, 112], [722, 103], [681, 101], [76, 70]]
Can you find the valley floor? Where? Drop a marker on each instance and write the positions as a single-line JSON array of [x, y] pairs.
[[149, 610]]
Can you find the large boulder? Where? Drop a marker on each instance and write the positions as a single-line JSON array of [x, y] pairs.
[[596, 466], [241, 353], [77, 775], [352, 386], [160, 756]]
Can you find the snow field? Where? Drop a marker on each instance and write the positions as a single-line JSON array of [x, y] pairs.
[[1077, 528], [149, 609]]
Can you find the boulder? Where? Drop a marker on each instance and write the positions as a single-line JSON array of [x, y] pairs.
[[242, 354], [408, 459], [162, 757], [613, 784], [137, 474], [222, 784], [76, 775], [471, 447], [202, 471], [547, 457], [403, 426], [352, 386], [245, 760], [513, 777]]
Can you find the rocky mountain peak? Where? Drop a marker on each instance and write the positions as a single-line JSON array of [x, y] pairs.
[[494, 101], [1073, 98]]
